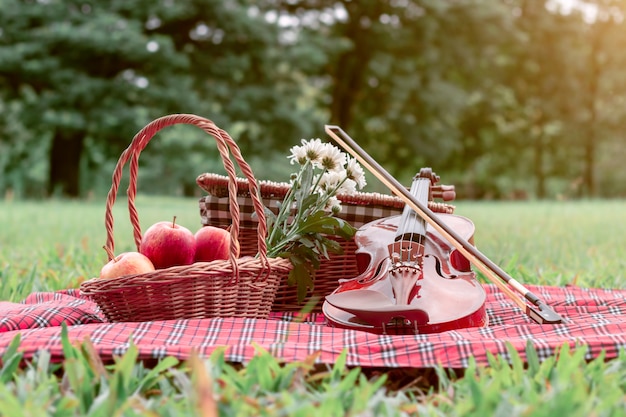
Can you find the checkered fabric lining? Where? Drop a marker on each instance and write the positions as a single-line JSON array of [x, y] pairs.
[[215, 211], [595, 319]]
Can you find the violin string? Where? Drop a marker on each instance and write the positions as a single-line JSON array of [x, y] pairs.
[[417, 221], [410, 221]]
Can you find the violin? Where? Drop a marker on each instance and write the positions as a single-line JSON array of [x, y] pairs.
[[532, 305], [410, 279]]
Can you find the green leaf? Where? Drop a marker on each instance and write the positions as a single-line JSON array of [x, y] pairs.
[[318, 222], [331, 246], [306, 182], [309, 256], [344, 229], [11, 361], [309, 243], [153, 376], [339, 368], [302, 277], [69, 351], [323, 222], [532, 358], [305, 204], [10, 404], [12, 348]]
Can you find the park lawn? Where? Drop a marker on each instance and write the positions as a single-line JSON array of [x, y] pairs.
[[51, 245]]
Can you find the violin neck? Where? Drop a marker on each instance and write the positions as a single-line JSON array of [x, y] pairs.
[[412, 227]]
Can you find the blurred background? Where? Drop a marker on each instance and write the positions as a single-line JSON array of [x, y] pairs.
[[510, 99]]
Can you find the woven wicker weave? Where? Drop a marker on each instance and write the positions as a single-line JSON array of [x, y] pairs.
[[240, 286], [357, 209]]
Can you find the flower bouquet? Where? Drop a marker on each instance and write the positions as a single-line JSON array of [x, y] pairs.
[[306, 220]]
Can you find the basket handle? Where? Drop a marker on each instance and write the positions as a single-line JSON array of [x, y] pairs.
[[226, 145]]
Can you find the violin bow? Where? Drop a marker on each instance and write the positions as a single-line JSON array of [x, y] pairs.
[[531, 304]]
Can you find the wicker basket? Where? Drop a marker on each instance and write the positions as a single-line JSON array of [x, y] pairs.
[[358, 209], [244, 287]]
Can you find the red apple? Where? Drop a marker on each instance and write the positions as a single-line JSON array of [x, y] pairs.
[[168, 244], [212, 243], [127, 263]]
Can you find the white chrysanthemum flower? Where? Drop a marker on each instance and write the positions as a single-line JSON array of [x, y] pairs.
[[354, 171], [330, 180], [311, 150], [332, 158], [348, 187], [298, 155], [333, 205], [314, 151]]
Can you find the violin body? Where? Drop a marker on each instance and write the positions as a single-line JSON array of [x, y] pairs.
[[444, 296]]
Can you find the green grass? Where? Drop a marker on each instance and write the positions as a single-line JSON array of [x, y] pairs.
[[553, 243], [56, 244]]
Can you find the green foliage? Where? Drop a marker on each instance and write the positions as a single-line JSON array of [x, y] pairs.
[[89, 387], [54, 244], [80, 71], [89, 75], [266, 387], [566, 383], [514, 99], [86, 386]]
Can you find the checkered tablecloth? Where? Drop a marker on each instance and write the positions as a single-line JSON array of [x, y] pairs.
[[595, 320]]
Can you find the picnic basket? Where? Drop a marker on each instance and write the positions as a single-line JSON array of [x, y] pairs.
[[240, 286], [358, 209]]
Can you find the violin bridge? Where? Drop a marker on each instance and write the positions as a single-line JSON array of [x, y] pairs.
[[406, 251]]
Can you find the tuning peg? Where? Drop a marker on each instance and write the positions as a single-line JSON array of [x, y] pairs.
[[444, 192]]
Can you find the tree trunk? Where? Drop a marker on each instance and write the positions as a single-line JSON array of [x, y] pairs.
[[346, 88], [540, 175], [65, 154], [351, 68], [597, 34]]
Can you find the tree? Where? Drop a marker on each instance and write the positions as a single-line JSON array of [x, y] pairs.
[[83, 69], [506, 98], [93, 72], [410, 74], [600, 80]]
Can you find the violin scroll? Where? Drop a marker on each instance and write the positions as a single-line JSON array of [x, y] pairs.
[[437, 191]]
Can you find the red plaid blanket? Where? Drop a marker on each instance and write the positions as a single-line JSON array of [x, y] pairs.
[[595, 319]]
